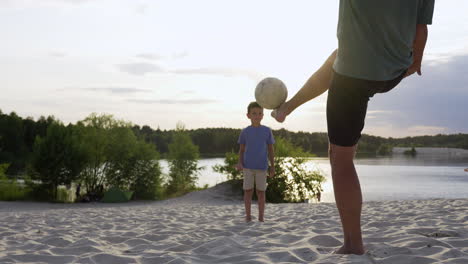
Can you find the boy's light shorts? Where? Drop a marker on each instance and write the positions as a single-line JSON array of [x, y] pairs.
[[258, 177]]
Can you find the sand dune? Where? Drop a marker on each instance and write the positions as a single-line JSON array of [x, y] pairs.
[[208, 227]]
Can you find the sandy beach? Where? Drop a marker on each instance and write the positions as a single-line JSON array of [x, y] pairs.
[[208, 227]]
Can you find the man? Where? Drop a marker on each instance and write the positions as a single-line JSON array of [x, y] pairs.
[[379, 43]]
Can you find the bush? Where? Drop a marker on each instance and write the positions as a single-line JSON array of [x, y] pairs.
[[410, 152], [228, 168], [293, 182], [64, 195]]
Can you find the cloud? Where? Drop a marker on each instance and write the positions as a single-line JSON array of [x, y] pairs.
[[35, 3], [179, 55], [143, 68], [229, 72], [57, 54], [112, 90], [142, 8], [72, 1], [150, 56], [119, 90], [426, 130], [140, 68], [154, 56], [371, 112], [173, 102], [437, 99]]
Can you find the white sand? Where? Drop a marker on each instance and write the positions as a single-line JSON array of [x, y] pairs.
[[208, 227]]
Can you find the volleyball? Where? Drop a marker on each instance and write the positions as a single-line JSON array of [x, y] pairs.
[[270, 93]]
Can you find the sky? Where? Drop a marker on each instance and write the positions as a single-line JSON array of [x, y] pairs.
[[162, 62]]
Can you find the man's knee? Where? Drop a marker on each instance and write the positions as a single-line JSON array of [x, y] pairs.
[[341, 154]]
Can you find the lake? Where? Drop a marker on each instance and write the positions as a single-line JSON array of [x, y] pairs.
[[398, 177]]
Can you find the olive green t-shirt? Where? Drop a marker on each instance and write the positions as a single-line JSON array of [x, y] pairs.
[[375, 37]]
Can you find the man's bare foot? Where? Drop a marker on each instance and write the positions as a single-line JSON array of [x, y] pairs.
[[280, 113], [248, 219], [261, 219], [345, 250]]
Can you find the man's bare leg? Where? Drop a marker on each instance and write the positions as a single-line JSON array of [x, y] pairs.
[[348, 197], [248, 204], [261, 205], [317, 84]]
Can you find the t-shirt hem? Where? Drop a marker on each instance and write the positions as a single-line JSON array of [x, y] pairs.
[[366, 77], [264, 169]]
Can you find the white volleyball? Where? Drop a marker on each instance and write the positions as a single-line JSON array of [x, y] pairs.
[[271, 93]]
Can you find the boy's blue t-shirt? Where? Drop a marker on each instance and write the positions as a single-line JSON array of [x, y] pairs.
[[256, 140]]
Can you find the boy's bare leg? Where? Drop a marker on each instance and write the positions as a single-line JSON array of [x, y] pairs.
[[348, 197], [248, 204], [261, 205], [317, 84]]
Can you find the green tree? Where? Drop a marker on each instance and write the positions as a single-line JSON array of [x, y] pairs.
[[58, 158], [3, 168], [121, 158], [183, 163], [12, 146], [133, 164], [117, 158], [148, 181], [95, 130]]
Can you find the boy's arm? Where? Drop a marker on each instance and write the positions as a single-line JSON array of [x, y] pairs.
[[418, 49], [271, 157], [240, 164]]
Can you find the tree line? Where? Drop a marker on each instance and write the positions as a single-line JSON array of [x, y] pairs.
[[215, 142], [101, 152], [18, 135]]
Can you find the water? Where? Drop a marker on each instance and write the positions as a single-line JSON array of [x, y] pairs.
[[392, 178]]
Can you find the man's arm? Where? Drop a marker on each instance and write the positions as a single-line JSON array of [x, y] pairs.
[[418, 49], [271, 157]]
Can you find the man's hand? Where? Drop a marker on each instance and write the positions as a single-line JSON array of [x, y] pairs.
[[415, 67], [418, 49]]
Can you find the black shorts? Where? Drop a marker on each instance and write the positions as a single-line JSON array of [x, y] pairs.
[[347, 106]]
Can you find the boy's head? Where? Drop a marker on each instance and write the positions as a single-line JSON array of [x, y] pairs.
[[253, 105], [255, 113]]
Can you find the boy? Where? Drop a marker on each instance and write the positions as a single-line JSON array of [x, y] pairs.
[[256, 148]]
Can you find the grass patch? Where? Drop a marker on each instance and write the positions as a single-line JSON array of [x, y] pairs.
[[10, 190]]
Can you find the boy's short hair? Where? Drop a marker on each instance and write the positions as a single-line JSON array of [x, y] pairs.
[[253, 105]]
